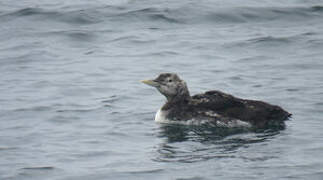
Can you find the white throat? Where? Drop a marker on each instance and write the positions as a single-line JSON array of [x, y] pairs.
[[160, 117]]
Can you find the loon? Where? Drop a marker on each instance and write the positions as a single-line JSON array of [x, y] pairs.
[[212, 107]]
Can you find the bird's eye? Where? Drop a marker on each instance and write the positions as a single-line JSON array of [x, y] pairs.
[[170, 80]]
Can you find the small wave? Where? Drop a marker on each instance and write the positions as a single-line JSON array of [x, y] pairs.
[[76, 35], [267, 41], [201, 14], [34, 108], [39, 168], [271, 39], [8, 148], [154, 14], [74, 107], [110, 101], [186, 14], [122, 38], [81, 17], [317, 8], [149, 54], [60, 119], [149, 171], [192, 178], [72, 17], [77, 110], [292, 89], [164, 53], [32, 11], [163, 17], [131, 39]]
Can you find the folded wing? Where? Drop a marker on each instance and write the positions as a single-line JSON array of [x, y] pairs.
[[258, 113]]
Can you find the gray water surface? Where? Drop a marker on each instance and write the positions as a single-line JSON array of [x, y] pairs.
[[72, 106]]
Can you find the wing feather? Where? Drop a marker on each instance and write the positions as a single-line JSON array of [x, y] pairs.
[[256, 112]]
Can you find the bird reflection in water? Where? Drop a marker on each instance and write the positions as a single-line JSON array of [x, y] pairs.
[[197, 143]]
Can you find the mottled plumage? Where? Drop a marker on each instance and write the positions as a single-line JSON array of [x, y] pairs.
[[212, 107]]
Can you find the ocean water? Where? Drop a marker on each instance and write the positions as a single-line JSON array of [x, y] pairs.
[[72, 106]]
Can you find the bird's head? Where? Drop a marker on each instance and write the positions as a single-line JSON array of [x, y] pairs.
[[170, 85]]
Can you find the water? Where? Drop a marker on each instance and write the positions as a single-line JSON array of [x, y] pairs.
[[72, 106]]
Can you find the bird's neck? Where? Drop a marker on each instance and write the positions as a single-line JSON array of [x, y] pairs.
[[179, 100]]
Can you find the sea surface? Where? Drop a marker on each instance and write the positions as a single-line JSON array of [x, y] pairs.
[[72, 106]]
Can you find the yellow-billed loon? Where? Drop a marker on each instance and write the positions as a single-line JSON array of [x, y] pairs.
[[212, 107]]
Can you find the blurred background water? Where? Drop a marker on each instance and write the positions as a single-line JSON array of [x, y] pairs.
[[72, 106]]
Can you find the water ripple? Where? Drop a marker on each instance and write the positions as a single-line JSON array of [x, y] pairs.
[[72, 106], [200, 14], [39, 168], [215, 143]]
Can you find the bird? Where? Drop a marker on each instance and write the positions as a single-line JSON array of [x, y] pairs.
[[212, 108]]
